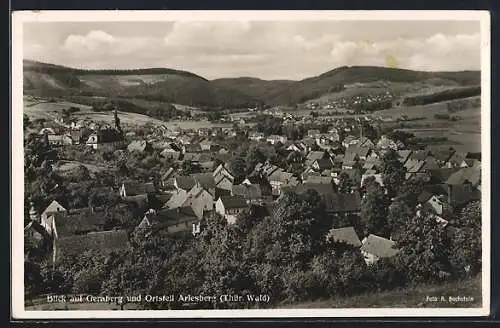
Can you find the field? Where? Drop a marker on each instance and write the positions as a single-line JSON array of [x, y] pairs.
[[407, 298], [37, 109], [463, 135]]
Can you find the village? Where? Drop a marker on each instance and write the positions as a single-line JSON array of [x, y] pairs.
[[336, 160]]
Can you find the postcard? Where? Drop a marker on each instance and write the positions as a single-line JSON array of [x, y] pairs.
[[250, 164]]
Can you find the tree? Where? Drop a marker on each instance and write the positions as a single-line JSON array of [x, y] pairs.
[[386, 275], [466, 249], [32, 278], [254, 155], [393, 172], [374, 207], [300, 227], [295, 163], [410, 191], [26, 122], [400, 135], [345, 183], [238, 168], [81, 173], [399, 214], [188, 167], [424, 250]]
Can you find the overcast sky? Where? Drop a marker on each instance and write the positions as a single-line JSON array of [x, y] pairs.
[[267, 50]]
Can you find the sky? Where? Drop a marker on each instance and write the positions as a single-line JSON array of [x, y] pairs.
[[263, 49]]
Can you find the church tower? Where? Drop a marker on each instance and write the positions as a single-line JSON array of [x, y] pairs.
[[117, 121]]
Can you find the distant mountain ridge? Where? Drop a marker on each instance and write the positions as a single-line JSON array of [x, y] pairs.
[[187, 88]]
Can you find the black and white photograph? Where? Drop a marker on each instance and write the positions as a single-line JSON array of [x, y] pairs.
[[250, 164]]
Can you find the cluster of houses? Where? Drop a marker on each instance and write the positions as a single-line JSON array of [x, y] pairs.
[[350, 103], [81, 132], [452, 180], [181, 202]]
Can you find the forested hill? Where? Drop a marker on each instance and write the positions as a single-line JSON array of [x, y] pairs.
[[187, 88]]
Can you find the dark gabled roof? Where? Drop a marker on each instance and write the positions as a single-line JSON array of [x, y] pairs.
[[248, 191], [81, 222], [169, 217], [379, 246], [471, 174], [324, 163], [139, 200], [233, 202], [109, 135], [133, 188], [419, 155], [105, 241], [206, 180], [281, 176], [185, 182], [163, 197], [442, 155], [424, 196], [347, 235], [440, 175]]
